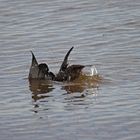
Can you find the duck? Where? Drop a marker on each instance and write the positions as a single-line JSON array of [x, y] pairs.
[[39, 71], [68, 72]]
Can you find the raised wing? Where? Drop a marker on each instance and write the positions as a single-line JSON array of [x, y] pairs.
[[65, 61]]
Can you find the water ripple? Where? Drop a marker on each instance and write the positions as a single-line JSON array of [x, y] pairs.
[[105, 34]]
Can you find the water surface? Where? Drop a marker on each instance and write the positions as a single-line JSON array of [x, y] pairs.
[[105, 34]]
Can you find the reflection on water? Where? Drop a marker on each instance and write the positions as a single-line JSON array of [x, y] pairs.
[[105, 34], [39, 88], [79, 90], [76, 92], [79, 85], [72, 88], [82, 83]]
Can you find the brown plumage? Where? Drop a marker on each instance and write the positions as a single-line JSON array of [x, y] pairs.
[[68, 73]]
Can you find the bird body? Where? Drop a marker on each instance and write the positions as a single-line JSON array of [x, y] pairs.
[[70, 73], [66, 72], [39, 71]]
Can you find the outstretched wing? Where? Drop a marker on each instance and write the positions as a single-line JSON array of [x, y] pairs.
[[65, 61], [34, 69]]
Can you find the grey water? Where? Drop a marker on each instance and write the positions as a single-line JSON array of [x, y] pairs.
[[105, 34]]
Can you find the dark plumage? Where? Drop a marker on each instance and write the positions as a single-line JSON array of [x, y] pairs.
[[40, 71], [68, 73]]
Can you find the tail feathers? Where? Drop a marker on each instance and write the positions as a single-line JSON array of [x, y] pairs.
[[34, 61], [34, 69], [65, 61]]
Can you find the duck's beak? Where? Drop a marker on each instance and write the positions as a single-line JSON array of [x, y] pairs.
[[33, 73]]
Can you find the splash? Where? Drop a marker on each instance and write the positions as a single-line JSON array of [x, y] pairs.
[[92, 78], [94, 71]]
